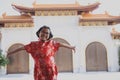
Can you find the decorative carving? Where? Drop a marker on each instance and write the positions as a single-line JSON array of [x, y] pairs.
[[8, 25], [93, 23], [115, 34], [56, 13]]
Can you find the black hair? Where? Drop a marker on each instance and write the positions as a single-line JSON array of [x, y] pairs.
[[50, 35]]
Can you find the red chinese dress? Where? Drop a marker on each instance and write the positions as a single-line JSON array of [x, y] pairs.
[[43, 55]]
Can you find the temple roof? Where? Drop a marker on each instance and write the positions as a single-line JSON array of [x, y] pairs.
[[99, 17], [38, 7], [15, 19]]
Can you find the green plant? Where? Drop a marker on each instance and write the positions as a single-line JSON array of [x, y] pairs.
[[3, 60]]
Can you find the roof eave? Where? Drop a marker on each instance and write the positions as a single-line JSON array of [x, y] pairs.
[[24, 9]]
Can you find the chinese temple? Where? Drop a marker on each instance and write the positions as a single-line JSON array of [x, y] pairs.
[[93, 35]]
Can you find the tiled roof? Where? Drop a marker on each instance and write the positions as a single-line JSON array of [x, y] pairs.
[[37, 7], [106, 17], [21, 18]]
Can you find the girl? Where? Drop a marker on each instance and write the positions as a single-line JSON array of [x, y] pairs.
[[43, 52]]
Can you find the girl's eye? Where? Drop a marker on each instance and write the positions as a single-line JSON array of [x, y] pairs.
[[44, 32]]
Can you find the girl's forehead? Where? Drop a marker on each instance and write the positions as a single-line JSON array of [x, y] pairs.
[[45, 29]]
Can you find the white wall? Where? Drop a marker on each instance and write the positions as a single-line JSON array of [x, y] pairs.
[[12, 36], [63, 27], [66, 27], [102, 35]]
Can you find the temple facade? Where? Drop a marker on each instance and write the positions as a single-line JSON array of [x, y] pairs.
[[93, 35]]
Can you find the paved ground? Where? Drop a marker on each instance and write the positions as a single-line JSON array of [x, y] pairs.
[[69, 76]]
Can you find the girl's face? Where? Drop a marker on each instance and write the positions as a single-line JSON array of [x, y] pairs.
[[44, 34]]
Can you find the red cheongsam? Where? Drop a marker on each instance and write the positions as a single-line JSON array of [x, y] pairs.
[[43, 55]]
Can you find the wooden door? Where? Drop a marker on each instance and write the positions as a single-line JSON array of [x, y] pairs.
[[18, 62], [96, 57], [63, 58]]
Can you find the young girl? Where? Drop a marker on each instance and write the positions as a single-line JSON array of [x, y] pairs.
[[43, 52]]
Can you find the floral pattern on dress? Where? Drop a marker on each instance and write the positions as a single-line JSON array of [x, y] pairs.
[[43, 55]]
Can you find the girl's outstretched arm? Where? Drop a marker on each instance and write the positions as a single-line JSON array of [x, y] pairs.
[[16, 50], [67, 46]]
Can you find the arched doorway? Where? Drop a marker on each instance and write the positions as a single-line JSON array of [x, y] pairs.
[[19, 62], [63, 58], [96, 57]]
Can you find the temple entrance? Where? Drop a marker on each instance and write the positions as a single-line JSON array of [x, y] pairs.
[[96, 57], [63, 58], [19, 62]]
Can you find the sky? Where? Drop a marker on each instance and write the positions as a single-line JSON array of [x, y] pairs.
[[111, 6]]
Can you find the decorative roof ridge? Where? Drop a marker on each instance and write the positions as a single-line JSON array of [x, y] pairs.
[[13, 20], [4, 16], [75, 5], [71, 4], [14, 5], [90, 15]]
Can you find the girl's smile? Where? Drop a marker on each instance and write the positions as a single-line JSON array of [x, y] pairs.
[[44, 34]]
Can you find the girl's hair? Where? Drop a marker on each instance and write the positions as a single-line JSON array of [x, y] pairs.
[[50, 35]]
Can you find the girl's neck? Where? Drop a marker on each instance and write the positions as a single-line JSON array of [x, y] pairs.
[[43, 40]]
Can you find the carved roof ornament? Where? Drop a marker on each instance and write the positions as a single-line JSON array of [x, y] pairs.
[[34, 3], [76, 2], [115, 34], [4, 14], [106, 13]]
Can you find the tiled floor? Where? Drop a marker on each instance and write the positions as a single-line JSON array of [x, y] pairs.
[[69, 76]]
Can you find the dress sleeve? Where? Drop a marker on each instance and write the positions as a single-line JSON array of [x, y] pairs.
[[28, 47], [56, 45]]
